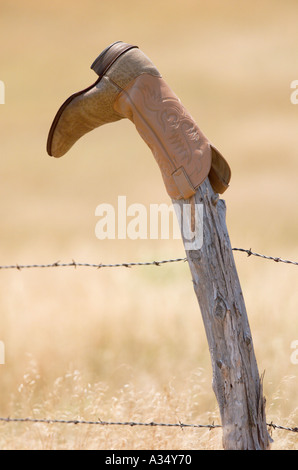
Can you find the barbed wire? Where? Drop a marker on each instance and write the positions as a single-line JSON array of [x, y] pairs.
[[75, 264], [133, 423], [277, 259], [107, 423], [129, 423]]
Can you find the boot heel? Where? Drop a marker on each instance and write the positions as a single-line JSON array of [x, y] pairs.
[[108, 56]]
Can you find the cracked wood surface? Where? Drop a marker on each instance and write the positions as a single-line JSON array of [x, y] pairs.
[[236, 381]]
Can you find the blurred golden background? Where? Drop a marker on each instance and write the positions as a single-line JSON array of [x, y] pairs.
[[129, 344]]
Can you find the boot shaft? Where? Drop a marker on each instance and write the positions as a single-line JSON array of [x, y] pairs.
[[179, 147]]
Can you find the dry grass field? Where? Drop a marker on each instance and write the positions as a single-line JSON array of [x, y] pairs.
[[121, 344]]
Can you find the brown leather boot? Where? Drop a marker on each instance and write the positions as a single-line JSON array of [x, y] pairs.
[[130, 86]]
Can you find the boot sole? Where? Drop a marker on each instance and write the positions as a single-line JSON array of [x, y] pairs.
[[100, 66]]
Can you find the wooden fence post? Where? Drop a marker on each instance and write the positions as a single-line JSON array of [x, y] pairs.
[[236, 381]]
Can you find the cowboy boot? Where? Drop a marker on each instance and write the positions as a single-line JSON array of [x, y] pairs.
[[130, 86]]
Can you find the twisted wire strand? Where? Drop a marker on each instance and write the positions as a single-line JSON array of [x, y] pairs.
[[277, 259], [106, 423], [128, 423], [75, 264]]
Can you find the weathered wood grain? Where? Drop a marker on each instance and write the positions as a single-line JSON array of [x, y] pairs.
[[236, 381]]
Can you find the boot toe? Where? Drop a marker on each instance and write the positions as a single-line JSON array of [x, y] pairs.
[[80, 114]]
